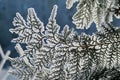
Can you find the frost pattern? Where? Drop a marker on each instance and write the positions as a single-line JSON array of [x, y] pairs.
[[5, 57], [89, 11], [52, 54], [69, 3]]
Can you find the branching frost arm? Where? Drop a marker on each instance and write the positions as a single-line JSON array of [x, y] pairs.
[[52, 54]]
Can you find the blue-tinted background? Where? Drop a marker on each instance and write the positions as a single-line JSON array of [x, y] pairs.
[[8, 9]]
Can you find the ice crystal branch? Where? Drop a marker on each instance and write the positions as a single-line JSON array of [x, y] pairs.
[[96, 11], [5, 57], [70, 3], [52, 54]]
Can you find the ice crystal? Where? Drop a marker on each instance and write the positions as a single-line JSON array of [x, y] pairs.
[[89, 11], [52, 54], [5, 57]]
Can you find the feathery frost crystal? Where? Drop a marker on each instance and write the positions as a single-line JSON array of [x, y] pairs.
[[89, 11], [52, 54]]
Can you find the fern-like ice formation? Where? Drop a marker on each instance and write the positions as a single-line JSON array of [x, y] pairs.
[[52, 54], [89, 11]]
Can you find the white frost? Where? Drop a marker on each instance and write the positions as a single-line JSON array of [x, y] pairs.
[[69, 3]]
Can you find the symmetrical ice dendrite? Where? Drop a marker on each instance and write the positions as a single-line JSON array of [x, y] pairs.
[[54, 54]]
